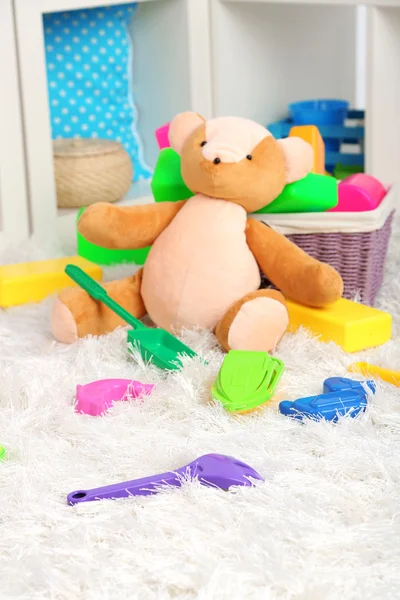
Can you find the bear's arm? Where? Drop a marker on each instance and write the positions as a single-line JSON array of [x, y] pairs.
[[126, 227], [296, 274]]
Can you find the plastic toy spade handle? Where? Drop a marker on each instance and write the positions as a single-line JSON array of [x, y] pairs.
[[137, 487], [96, 291]]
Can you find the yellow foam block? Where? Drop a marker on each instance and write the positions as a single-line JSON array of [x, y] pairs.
[[32, 282], [351, 325], [311, 135]]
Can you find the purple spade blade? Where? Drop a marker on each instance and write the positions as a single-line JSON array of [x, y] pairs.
[[215, 470]]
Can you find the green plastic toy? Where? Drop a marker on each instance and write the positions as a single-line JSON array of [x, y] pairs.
[[107, 257], [343, 171], [167, 184], [156, 345], [246, 380], [2, 453], [314, 193]]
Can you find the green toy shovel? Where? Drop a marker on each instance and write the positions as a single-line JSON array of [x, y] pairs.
[[157, 345]]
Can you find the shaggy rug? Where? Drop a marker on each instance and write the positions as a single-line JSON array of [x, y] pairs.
[[325, 524]]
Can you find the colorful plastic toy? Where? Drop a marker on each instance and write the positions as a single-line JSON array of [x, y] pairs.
[[333, 135], [97, 397], [337, 384], [213, 470], [246, 380], [347, 398], [314, 193], [106, 256], [387, 375], [34, 281], [359, 193], [167, 184], [342, 171], [2, 453], [162, 136], [157, 345], [351, 325], [311, 135]]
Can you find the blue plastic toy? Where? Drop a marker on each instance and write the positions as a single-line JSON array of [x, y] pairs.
[[333, 135], [340, 397]]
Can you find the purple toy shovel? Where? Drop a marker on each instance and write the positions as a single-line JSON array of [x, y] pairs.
[[213, 470]]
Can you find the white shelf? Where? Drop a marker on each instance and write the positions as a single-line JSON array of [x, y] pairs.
[[50, 6], [171, 73], [320, 2]]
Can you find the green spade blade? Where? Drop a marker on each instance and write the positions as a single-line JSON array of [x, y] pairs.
[[246, 380], [157, 345], [160, 347]]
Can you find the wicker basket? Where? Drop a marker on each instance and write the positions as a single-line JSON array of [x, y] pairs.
[[89, 171], [354, 243]]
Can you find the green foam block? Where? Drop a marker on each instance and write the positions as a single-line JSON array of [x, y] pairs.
[[105, 256], [314, 193], [167, 184]]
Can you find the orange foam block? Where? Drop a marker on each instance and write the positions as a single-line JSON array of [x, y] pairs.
[[311, 135]]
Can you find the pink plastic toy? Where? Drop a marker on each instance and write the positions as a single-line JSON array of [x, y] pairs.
[[162, 137], [97, 397], [359, 193]]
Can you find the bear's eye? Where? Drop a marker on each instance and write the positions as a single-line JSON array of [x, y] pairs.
[[203, 143], [249, 157]]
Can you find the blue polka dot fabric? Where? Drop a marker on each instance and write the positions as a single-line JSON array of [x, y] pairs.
[[89, 60]]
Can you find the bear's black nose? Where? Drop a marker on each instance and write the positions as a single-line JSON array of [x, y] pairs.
[[217, 161]]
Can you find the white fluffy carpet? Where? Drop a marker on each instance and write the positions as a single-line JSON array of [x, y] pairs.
[[324, 525]]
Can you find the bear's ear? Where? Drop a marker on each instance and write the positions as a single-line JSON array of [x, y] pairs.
[[181, 127], [299, 158]]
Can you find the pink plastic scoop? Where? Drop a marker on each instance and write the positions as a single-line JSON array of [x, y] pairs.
[[97, 397]]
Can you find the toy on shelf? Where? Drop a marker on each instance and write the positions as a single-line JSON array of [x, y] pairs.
[[2, 453], [246, 380], [156, 345], [162, 136], [212, 470], [351, 325], [332, 117], [109, 256], [33, 281], [313, 193], [97, 397], [340, 397], [198, 246], [167, 183], [342, 171], [368, 370], [311, 135], [359, 193]]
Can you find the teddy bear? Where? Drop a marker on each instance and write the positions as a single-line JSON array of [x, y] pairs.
[[203, 269]]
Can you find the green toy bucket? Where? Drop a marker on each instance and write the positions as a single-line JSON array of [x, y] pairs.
[[106, 257]]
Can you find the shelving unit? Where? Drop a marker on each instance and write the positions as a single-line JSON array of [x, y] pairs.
[[171, 73], [267, 54], [14, 216]]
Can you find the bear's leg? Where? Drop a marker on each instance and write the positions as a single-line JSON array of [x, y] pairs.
[[256, 322], [75, 314]]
